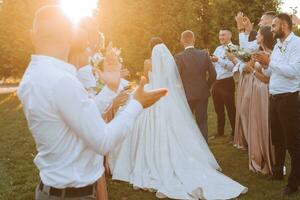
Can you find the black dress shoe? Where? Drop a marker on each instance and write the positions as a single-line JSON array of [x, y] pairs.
[[288, 191]]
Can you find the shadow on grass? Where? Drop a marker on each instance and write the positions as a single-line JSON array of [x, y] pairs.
[[19, 176]]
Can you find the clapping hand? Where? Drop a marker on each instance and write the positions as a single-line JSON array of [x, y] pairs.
[[214, 58], [239, 21], [247, 24], [263, 58], [121, 99], [111, 72], [118, 101], [231, 57], [111, 78], [249, 68], [148, 98], [295, 20]]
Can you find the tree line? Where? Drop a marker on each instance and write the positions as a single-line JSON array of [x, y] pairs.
[[130, 24]]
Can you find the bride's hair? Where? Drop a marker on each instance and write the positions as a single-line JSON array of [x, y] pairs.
[[155, 41], [268, 39]]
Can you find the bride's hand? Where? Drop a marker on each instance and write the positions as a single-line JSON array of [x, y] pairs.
[[148, 98]]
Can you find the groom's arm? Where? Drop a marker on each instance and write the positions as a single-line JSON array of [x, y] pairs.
[[212, 75], [179, 63]]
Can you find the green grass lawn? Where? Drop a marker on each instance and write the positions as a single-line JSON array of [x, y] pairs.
[[19, 176]]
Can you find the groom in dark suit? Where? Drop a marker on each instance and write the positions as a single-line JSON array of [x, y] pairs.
[[198, 74]]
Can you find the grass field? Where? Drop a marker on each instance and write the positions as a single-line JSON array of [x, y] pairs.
[[19, 176]]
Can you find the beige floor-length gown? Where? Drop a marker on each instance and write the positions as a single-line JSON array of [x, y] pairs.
[[252, 123], [243, 99]]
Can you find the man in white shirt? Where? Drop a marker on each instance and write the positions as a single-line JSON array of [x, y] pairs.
[[245, 27], [65, 123], [87, 78], [283, 67], [224, 87]]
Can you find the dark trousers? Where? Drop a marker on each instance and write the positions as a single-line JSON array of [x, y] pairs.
[[285, 132], [199, 109], [223, 96]]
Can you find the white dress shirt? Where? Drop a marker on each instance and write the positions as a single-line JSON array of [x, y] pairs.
[[284, 66], [86, 76], [189, 47], [224, 67], [245, 44], [69, 132]]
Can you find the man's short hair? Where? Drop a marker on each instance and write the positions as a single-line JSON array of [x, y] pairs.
[[188, 36], [285, 17], [50, 22], [225, 29], [270, 13]]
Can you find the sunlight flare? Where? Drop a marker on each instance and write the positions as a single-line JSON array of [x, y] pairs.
[[78, 9]]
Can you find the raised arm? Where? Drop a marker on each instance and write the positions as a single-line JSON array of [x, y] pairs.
[[81, 114], [179, 63]]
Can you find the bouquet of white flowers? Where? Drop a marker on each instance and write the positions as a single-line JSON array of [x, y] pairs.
[[240, 53], [111, 58]]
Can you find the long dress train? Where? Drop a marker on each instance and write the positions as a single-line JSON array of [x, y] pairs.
[[166, 152]]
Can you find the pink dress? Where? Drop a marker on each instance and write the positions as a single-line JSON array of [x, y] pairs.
[[243, 99], [252, 123]]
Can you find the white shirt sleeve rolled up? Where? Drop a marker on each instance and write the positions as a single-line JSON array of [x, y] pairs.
[[81, 114], [245, 44]]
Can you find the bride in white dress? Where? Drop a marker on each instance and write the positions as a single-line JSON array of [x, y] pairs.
[[166, 152]]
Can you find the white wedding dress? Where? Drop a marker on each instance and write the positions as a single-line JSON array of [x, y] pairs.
[[166, 152]]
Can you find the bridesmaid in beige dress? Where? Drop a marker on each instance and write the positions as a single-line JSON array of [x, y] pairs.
[[244, 93], [252, 121]]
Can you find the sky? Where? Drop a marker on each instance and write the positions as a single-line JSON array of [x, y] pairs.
[[286, 4]]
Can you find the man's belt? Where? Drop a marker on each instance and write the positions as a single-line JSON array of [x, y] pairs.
[[69, 192], [225, 79], [283, 95]]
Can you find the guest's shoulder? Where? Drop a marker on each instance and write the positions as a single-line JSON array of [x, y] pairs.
[[295, 43], [178, 55], [297, 39], [201, 52], [66, 82], [86, 68], [218, 48]]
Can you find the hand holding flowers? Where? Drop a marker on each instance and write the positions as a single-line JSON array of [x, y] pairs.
[[263, 58]]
